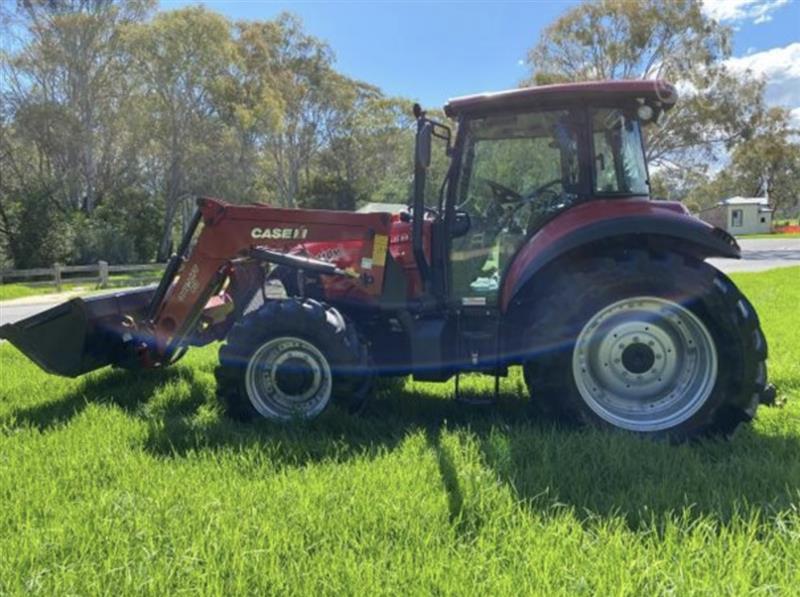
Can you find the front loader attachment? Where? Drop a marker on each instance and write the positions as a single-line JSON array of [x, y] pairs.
[[80, 335]]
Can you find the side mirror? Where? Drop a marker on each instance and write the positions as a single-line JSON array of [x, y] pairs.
[[423, 151]]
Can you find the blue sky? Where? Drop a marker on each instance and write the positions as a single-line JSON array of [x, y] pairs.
[[433, 51]]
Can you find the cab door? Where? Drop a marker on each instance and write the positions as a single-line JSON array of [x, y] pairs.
[[517, 170]]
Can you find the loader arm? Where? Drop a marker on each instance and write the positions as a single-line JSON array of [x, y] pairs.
[[233, 234]]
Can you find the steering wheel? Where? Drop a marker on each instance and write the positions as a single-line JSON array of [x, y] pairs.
[[543, 199], [542, 188], [502, 194]]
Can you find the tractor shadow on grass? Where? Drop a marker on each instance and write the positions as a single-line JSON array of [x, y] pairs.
[[546, 467], [127, 390]]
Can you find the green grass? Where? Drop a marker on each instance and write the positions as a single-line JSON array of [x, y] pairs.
[[15, 291], [772, 235], [135, 484]]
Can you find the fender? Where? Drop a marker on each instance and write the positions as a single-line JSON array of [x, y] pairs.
[[609, 218]]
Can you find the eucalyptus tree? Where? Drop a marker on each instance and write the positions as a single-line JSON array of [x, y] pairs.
[[179, 58], [766, 165], [672, 39], [64, 85], [369, 141]]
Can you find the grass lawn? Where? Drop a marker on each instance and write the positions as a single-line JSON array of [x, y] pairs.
[[15, 291], [134, 483], [772, 236]]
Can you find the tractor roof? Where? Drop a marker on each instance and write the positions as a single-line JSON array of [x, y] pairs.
[[655, 92]]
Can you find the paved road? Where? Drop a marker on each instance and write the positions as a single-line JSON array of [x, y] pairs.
[[14, 310], [757, 255]]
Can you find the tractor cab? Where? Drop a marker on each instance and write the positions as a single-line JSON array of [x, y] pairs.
[[521, 158]]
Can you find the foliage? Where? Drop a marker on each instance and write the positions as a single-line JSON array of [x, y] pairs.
[[41, 232], [65, 92], [123, 230], [766, 165], [102, 102], [136, 481], [178, 59], [328, 193]]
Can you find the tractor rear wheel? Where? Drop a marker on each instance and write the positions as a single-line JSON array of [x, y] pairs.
[[289, 359], [655, 344]]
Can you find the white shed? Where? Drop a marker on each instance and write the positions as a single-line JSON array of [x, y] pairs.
[[741, 215]]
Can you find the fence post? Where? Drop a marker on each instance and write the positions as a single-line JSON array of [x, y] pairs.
[[57, 276], [102, 269]]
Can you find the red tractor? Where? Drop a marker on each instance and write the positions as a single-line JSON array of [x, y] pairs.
[[542, 249]]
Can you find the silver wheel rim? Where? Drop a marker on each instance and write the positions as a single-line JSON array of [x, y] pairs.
[[645, 364], [288, 378]]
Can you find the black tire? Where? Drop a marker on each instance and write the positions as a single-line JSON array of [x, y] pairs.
[[582, 288], [310, 321]]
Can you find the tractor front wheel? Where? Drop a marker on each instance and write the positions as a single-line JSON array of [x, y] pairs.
[[289, 360], [654, 344]]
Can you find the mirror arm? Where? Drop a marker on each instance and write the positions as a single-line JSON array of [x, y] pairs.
[[421, 163], [426, 130]]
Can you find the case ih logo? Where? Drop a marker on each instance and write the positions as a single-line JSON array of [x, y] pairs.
[[298, 233]]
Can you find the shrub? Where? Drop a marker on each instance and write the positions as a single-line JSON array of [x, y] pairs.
[[43, 232], [329, 192], [122, 229]]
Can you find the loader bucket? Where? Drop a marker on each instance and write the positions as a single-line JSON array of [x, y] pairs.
[[80, 335]]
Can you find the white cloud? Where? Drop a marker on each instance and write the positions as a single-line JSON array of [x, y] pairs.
[[780, 69], [757, 11], [795, 117]]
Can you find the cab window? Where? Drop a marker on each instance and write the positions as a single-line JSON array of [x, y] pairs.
[[619, 163], [518, 171]]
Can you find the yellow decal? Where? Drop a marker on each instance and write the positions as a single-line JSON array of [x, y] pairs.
[[379, 246]]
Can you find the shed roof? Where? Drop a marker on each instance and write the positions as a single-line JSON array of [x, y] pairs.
[[746, 201]]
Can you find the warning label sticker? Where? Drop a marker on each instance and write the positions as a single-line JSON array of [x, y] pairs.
[[379, 246]]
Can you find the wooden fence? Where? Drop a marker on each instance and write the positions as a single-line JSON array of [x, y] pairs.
[[98, 273]]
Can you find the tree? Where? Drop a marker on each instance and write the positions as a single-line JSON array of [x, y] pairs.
[[179, 57], [671, 39], [328, 192], [65, 88], [307, 86], [369, 143], [766, 165], [298, 121], [112, 120]]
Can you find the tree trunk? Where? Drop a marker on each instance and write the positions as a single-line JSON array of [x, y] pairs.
[[166, 232], [172, 201]]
